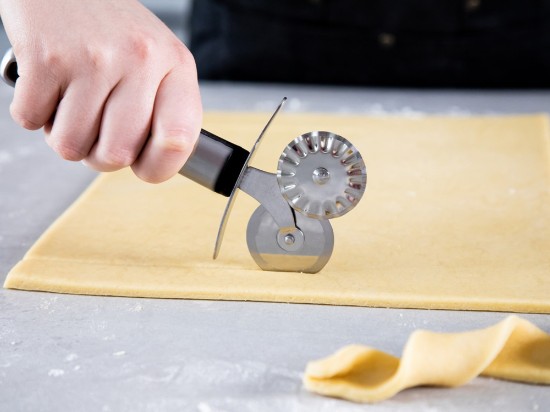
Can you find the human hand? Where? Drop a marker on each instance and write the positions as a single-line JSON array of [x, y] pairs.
[[108, 81]]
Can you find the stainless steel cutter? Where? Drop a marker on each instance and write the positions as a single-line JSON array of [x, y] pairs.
[[320, 176]]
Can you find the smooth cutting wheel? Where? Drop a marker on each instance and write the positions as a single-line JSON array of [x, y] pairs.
[[321, 175], [307, 249]]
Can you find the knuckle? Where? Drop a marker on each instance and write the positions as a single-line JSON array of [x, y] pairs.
[[49, 65], [68, 151], [176, 141], [26, 118], [142, 46], [98, 57], [117, 157], [149, 177], [185, 57], [52, 60]]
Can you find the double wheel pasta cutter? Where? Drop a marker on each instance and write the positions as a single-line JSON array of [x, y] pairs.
[[320, 176]]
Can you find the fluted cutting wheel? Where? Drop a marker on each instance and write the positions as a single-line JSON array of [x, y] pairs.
[[321, 175]]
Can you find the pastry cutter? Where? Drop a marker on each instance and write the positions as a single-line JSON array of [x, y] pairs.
[[320, 176]]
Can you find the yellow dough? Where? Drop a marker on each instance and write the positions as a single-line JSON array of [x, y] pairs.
[[513, 349], [456, 215]]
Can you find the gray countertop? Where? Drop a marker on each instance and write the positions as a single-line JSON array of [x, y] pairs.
[[63, 352]]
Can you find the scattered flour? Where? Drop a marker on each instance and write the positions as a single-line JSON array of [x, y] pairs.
[[294, 104], [204, 407], [377, 109], [71, 357], [56, 372], [136, 308], [47, 302], [21, 152]]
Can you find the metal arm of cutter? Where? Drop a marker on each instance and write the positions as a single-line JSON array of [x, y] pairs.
[[216, 164]]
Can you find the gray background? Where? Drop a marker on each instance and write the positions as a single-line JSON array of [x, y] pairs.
[[63, 352]]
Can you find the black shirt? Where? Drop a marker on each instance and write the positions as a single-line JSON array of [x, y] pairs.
[[421, 43]]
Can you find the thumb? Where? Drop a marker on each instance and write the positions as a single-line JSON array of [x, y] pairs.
[[175, 127]]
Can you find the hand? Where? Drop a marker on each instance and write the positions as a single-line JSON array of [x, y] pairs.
[[108, 81]]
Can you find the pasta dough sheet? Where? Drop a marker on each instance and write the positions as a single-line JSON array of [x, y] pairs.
[[514, 349], [456, 215]]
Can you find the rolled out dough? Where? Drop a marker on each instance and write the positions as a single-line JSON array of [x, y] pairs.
[[513, 349], [456, 215]]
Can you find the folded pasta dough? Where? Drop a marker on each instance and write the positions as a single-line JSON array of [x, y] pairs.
[[513, 349]]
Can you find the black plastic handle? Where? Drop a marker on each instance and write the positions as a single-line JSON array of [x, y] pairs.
[[215, 163]]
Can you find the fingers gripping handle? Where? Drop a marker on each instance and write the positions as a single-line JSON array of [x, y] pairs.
[[215, 163]]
